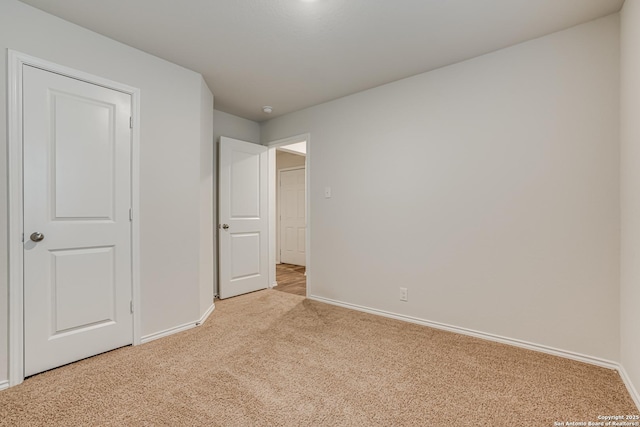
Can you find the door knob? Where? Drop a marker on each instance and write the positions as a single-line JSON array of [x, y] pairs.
[[225, 226], [37, 237]]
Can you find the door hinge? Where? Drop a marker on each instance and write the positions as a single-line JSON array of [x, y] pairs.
[[131, 306], [130, 214], [22, 237], [130, 122]]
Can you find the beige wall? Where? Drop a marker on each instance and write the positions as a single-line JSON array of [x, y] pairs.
[[630, 190], [287, 160], [174, 103], [488, 188]]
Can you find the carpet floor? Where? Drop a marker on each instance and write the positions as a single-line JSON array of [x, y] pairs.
[[275, 359]]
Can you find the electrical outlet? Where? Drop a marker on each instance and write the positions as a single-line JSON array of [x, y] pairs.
[[404, 294]]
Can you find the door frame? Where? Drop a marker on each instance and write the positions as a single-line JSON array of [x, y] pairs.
[[279, 211], [15, 63], [272, 205]]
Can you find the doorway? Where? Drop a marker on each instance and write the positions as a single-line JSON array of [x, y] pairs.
[[289, 183]]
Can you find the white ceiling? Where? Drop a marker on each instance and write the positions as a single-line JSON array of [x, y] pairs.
[[292, 54]]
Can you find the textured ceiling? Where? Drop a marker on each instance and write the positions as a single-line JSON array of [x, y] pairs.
[[292, 54]]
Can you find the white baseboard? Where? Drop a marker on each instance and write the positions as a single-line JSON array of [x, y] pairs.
[[176, 329], [497, 338], [206, 314], [627, 382], [274, 284], [4, 385], [161, 334], [477, 334]]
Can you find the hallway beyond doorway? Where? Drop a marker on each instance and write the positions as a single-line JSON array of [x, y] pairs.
[[291, 279]]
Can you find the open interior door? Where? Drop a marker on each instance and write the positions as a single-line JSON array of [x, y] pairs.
[[243, 249]]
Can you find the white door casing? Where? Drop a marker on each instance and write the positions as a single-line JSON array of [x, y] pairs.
[[243, 217], [77, 193], [292, 216]]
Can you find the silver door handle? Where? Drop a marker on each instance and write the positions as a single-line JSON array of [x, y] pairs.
[[37, 237], [225, 226]]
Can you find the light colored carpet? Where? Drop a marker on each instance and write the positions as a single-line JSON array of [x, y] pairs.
[[277, 359]]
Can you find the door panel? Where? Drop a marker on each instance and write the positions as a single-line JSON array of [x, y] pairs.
[[245, 255], [83, 288], [83, 165], [245, 182], [292, 217], [243, 245], [77, 193]]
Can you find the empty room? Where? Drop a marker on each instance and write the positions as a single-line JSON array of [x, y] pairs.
[[320, 212]]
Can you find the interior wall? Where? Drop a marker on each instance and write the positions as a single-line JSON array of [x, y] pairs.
[[284, 160], [171, 102], [488, 188], [206, 199], [287, 160], [225, 124], [630, 190]]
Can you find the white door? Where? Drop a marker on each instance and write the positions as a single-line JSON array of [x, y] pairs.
[[242, 214], [293, 222], [77, 232]]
